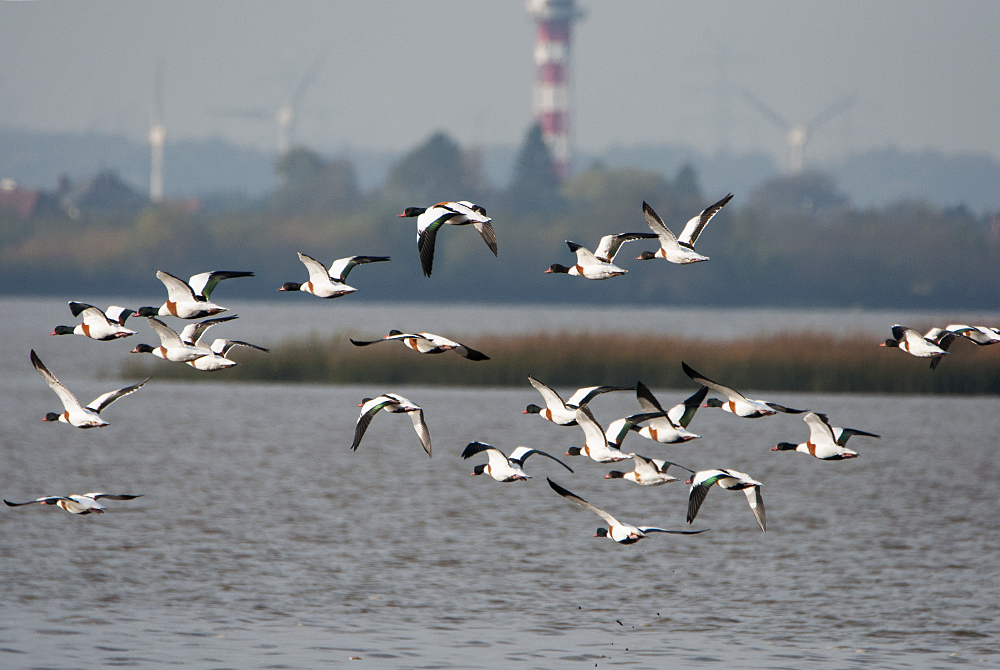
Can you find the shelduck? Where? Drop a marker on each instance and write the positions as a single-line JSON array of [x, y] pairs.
[[825, 442], [596, 446], [76, 503], [564, 413], [737, 403], [981, 335], [599, 264], [215, 354], [171, 348], [622, 533], [395, 404], [731, 480], [330, 283], [647, 472], [98, 325], [505, 468], [190, 299], [73, 413], [656, 424], [427, 343], [922, 346], [430, 220], [679, 250]]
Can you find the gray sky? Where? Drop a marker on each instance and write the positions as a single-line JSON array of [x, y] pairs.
[[644, 71]]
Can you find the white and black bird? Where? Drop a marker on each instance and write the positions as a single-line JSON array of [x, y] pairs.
[[825, 442], [329, 283], [596, 446], [73, 413], [647, 472], [564, 413], [97, 325], [215, 353], [76, 503], [172, 347], [190, 299], [622, 533], [430, 220], [731, 480], [653, 423], [427, 343], [395, 404], [981, 335], [679, 249], [933, 345], [736, 403], [505, 468], [598, 264]]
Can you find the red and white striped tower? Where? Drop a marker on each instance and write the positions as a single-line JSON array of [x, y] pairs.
[[550, 99]]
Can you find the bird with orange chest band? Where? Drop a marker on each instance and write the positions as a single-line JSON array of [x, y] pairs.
[[430, 220]]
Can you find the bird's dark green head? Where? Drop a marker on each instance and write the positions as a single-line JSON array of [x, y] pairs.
[[646, 256], [713, 402], [62, 330], [412, 211], [532, 409], [785, 446]]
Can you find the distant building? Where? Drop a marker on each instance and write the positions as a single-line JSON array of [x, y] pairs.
[[25, 203], [104, 194], [550, 96]]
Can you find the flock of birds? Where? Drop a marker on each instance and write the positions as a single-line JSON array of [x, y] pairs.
[[191, 300]]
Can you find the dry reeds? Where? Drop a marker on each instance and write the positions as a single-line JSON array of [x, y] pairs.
[[783, 362]]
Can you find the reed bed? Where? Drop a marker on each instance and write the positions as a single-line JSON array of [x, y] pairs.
[[783, 362]]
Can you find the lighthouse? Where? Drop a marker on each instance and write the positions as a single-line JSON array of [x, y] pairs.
[[550, 96]]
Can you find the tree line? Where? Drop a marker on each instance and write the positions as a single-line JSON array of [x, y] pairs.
[[792, 241]]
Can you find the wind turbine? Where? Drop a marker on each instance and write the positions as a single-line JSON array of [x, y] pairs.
[[287, 113], [157, 137], [798, 135], [286, 116]]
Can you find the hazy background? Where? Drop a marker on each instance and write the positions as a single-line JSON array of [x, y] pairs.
[[643, 72], [412, 103]]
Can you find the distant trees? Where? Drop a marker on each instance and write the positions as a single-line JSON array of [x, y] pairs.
[[308, 183], [435, 171], [535, 188]]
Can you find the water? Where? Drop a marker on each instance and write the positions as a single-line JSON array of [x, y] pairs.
[[262, 541]]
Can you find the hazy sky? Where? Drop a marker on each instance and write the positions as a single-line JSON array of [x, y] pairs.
[[924, 72]]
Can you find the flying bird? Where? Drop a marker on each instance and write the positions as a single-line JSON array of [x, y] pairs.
[[215, 354], [665, 427], [98, 325], [172, 347], [825, 442], [395, 404], [427, 343], [622, 533], [564, 413], [647, 472], [933, 345], [731, 480], [737, 403], [430, 220], [190, 299], [679, 249], [330, 283], [596, 446], [598, 264], [73, 413], [76, 503], [505, 468]]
